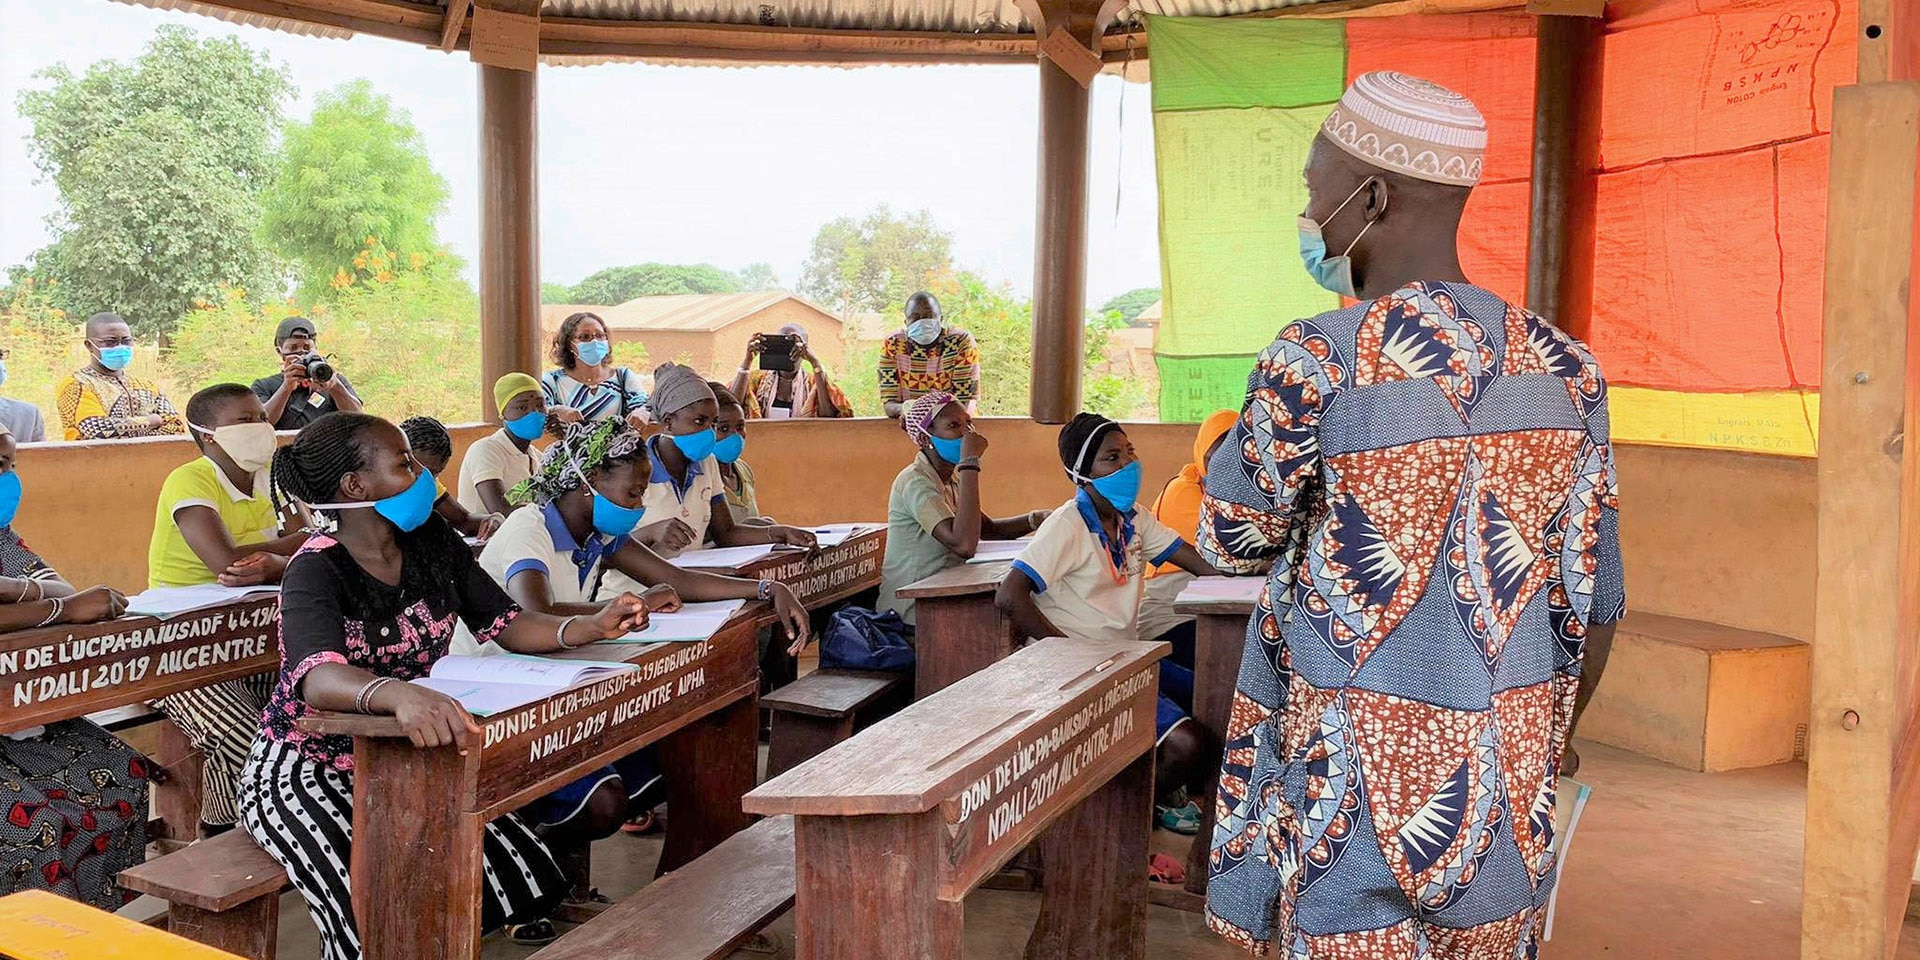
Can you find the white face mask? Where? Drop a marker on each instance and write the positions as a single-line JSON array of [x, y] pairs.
[[249, 444], [924, 331]]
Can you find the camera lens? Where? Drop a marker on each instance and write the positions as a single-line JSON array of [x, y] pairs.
[[318, 370]]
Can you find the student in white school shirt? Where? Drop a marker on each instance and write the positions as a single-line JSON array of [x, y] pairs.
[[1084, 576]]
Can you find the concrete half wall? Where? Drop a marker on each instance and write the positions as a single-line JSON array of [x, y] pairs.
[[1722, 537]]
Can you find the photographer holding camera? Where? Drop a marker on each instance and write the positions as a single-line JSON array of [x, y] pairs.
[[307, 384], [780, 389]]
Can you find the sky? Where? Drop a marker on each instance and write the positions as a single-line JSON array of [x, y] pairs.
[[641, 163]]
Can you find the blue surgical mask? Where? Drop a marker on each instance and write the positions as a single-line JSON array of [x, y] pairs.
[[116, 358], [591, 352], [1121, 487], [924, 331], [949, 450], [9, 496], [730, 449], [1331, 273], [407, 509], [613, 520], [696, 446], [529, 426]]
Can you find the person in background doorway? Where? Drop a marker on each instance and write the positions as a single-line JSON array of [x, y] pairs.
[[934, 520], [75, 796], [928, 356], [736, 478], [586, 385], [504, 459], [21, 419], [215, 523], [1084, 576], [686, 502], [1427, 479], [302, 391], [783, 394], [102, 401], [433, 449]]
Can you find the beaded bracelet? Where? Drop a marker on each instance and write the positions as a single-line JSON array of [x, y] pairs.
[[765, 590], [59, 606]]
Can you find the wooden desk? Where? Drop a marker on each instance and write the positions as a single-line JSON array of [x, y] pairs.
[[1220, 635], [68, 671], [418, 814], [827, 577], [1055, 742], [958, 630]]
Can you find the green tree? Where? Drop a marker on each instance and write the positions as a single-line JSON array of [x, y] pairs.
[[556, 293], [620, 284], [755, 277], [358, 169], [1128, 305], [873, 264], [160, 164]]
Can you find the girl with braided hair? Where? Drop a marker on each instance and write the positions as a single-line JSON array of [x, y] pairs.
[[372, 601]]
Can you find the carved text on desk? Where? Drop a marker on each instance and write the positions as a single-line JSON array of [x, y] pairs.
[[830, 570], [78, 664]]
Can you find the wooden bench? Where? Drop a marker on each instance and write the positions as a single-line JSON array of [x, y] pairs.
[[37, 925], [821, 709], [895, 827], [223, 892], [701, 911], [957, 629], [1702, 696]]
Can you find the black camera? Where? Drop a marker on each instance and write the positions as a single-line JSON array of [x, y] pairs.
[[318, 369], [776, 352]]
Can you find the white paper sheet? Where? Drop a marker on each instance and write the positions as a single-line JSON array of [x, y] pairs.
[[835, 534], [522, 669], [725, 558], [683, 627], [1571, 802], [994, 551], [167, 602], [1224, 588], [483, 699]]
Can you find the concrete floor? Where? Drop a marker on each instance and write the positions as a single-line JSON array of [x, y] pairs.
[[1666, 864]]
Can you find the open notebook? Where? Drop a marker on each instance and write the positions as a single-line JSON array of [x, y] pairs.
[[994, 551], [1571, 802], [166, 602], [490, 685], [692, 622]]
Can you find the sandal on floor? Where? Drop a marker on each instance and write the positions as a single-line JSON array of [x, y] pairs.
[[766, 943], [593, 896], [1183, 820], [539, 933], [1164, 869], [651, 822]]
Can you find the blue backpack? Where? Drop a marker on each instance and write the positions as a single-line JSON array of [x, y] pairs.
[[862, 639]]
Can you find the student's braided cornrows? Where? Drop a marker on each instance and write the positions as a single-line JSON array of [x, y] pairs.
[[309, 469], [427, 435]]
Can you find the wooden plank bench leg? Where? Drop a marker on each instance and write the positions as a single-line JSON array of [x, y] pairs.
[[1219, 644], [709, 766], [876, 889], [250, 930], [957, 638], [799, 737], [1097, 909], [176, 800]]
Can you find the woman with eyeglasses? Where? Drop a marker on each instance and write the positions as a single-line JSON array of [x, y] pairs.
[[586, 386], [101, 401]]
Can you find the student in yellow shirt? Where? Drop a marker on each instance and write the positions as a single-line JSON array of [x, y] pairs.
[[1084, 576], [215, 523], [433, 449]]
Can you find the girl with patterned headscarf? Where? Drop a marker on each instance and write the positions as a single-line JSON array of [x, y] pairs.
[[687, 502], [561, 553], [933, 511]]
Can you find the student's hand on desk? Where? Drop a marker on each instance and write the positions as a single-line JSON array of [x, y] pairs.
[[639, 420], [431, 718], [489, 525], [794, 537], [622, 615], [1569, 761], [793, 614], [672, 535], [662, 599], [93, 605], [254, 568]]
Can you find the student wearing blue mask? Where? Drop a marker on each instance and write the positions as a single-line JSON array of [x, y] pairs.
[[433, 449], [586, 386], [102, 401], [933, 510], [504, 459], [1084, 576], [365, 607], [735, 475], [686, 501]]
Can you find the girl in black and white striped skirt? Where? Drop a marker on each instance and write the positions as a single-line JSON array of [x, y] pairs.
[[372, 603]]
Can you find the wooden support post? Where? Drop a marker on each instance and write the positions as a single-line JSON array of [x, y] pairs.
[[1863, 768], [509, 228], [1566, 153], [1060, 222]]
